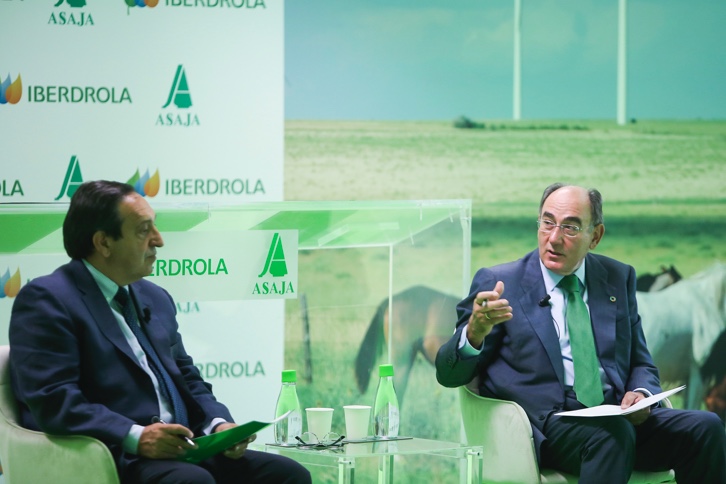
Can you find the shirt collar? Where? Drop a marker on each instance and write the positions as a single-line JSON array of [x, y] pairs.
[[107, 286], [551, 279]]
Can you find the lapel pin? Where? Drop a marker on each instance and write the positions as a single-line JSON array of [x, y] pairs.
[[612, 299]]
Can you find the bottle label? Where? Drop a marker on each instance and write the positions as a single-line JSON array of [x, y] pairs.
[[387, 421], [288, 428]]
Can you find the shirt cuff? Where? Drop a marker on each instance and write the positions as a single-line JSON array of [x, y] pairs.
[[210, 428], [130, 443], [648, 393], [466, 350], [644, 391]]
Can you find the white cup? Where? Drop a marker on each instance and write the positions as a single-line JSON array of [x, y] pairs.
[[319, 421], [357, 418]]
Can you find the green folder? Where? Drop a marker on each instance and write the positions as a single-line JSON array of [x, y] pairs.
[[215, 443]]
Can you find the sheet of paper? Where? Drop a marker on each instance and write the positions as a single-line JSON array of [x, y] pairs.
[[215, 443], [610, 410]]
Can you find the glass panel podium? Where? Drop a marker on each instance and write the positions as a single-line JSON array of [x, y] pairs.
[[377, 283]]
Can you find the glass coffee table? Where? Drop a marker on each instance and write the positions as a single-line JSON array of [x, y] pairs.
[[415, 460]]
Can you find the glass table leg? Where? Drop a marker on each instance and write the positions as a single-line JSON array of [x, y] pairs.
[[346, 471]]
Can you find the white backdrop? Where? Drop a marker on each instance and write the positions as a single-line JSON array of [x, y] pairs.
[[183, 99]]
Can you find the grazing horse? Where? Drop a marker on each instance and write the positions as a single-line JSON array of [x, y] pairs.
[[423, 319], [655, 282], [682, 325]]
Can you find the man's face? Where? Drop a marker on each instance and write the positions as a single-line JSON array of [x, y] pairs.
[[559, 253], [132, 256]]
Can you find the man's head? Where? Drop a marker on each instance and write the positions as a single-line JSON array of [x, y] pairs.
[[112, 227], [562, 249]]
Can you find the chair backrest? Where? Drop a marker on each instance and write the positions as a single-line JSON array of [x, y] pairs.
[[8, 407], [29, 456]]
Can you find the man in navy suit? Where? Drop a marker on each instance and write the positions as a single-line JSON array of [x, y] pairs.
[[78, 365], [519, 348]]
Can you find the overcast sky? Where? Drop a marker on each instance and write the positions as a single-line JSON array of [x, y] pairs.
[[437, 59]]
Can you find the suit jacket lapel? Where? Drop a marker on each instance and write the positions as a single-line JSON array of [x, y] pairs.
[[603, 314], [533, 289], [98, 307], [155, 333]]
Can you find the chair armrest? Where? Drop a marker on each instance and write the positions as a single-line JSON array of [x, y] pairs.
[[502, 428], [30, 456]]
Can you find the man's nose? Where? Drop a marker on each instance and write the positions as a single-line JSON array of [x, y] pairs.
[[556, 234], [157, 239]]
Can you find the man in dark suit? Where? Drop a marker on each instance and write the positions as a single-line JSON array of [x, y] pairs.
[[520, 349], [95, 350]]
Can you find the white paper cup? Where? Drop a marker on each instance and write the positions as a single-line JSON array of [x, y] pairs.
[[357, 418], [319, 421]]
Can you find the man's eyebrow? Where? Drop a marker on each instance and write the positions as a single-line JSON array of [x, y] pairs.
[[574, 220]]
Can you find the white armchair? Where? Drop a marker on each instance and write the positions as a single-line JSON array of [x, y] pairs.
[[504, 431], [28, 456]]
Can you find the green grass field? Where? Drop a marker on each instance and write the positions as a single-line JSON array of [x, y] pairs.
[[664, 202], [663, 182]]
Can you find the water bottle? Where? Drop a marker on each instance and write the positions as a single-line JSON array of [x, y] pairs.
[[385, 408], [290, 427]]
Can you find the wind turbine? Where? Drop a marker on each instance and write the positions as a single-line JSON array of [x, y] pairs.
[[622, 60], [517, 95]]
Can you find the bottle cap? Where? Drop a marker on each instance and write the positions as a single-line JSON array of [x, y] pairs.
[[289, 376], [385, 370]]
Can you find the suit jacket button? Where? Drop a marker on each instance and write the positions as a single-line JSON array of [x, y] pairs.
[[541, 417]]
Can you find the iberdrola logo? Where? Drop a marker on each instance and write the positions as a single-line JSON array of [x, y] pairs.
[[275, 263], [72, 180], [10, 285], [146, 186], [10, 93], [142, 3]]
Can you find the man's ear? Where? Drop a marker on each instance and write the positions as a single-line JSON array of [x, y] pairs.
[[101, 243], [597, 234]]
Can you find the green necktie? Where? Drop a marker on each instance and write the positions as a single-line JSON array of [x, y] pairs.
[[587, 369]]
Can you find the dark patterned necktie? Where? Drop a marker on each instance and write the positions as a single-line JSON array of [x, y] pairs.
[[166, 384], [588, 386]]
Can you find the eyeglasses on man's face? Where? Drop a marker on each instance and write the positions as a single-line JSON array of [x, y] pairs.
[[546, 226]]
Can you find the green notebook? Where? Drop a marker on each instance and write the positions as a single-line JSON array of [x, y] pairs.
[[215, 443]]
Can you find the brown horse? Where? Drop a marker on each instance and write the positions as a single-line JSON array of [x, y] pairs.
[[423, 320]]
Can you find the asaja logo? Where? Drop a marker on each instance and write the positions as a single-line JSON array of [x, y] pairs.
[[146, 186], [179, 92], [142, 3], [10, 93], [72, 3], [65, 18], [10, 284], [72, 180], [276, 266], [275, 263], [181, 97]]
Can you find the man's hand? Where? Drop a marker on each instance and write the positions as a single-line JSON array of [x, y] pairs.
[[630, 399], [237, 450], [488, 309], [164, 441]]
